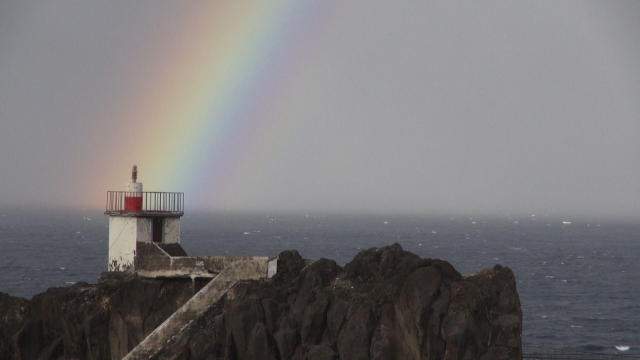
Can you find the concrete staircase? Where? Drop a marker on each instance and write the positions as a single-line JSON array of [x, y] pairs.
[[198, 304]]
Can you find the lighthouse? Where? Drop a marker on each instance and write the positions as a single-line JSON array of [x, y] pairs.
[[137, 218]]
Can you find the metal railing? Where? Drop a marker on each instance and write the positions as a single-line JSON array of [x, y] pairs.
[[152, 202], [540, 353]]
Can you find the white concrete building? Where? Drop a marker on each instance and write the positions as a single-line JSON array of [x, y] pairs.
[[136, 217], [144, 237]]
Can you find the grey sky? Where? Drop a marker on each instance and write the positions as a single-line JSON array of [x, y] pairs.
[[427, 107]]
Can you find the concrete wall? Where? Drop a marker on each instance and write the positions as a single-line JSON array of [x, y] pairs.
[[144, 230], [124, 232], [272, 267], [171, 230], [122, 243], [218, 263], [153, 261]]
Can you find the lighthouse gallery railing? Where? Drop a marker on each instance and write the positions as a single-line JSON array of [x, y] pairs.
[[152, 201]]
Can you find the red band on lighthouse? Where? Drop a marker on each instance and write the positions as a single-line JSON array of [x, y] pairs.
[[133, 196]]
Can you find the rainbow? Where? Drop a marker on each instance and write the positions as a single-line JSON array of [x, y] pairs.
[[206, 115]]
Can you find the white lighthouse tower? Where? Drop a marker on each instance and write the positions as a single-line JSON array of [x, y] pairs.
[[136, 217]]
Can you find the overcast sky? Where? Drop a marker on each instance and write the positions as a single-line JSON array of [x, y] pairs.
[[480, 108]]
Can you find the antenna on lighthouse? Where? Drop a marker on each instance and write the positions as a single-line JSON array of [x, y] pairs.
[[134, 173]]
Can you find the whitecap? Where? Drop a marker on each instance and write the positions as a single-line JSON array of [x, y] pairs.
[[576, 326], [247, 233], [549, 276], [623, 347], [61, 268]]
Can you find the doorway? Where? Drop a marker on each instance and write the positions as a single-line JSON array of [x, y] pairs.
[[156, 230]]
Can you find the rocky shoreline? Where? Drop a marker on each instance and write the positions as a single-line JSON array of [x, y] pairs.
[[386, 303]]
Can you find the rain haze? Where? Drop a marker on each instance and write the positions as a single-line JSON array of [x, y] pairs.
[[416, 107]]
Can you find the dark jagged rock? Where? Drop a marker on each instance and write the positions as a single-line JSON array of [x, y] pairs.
[[385, 304], [290, 264], [83, 321]]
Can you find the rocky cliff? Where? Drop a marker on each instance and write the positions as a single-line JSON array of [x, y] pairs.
[[385, 304]]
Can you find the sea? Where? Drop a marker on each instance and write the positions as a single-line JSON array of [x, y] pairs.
[[578, 278]]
